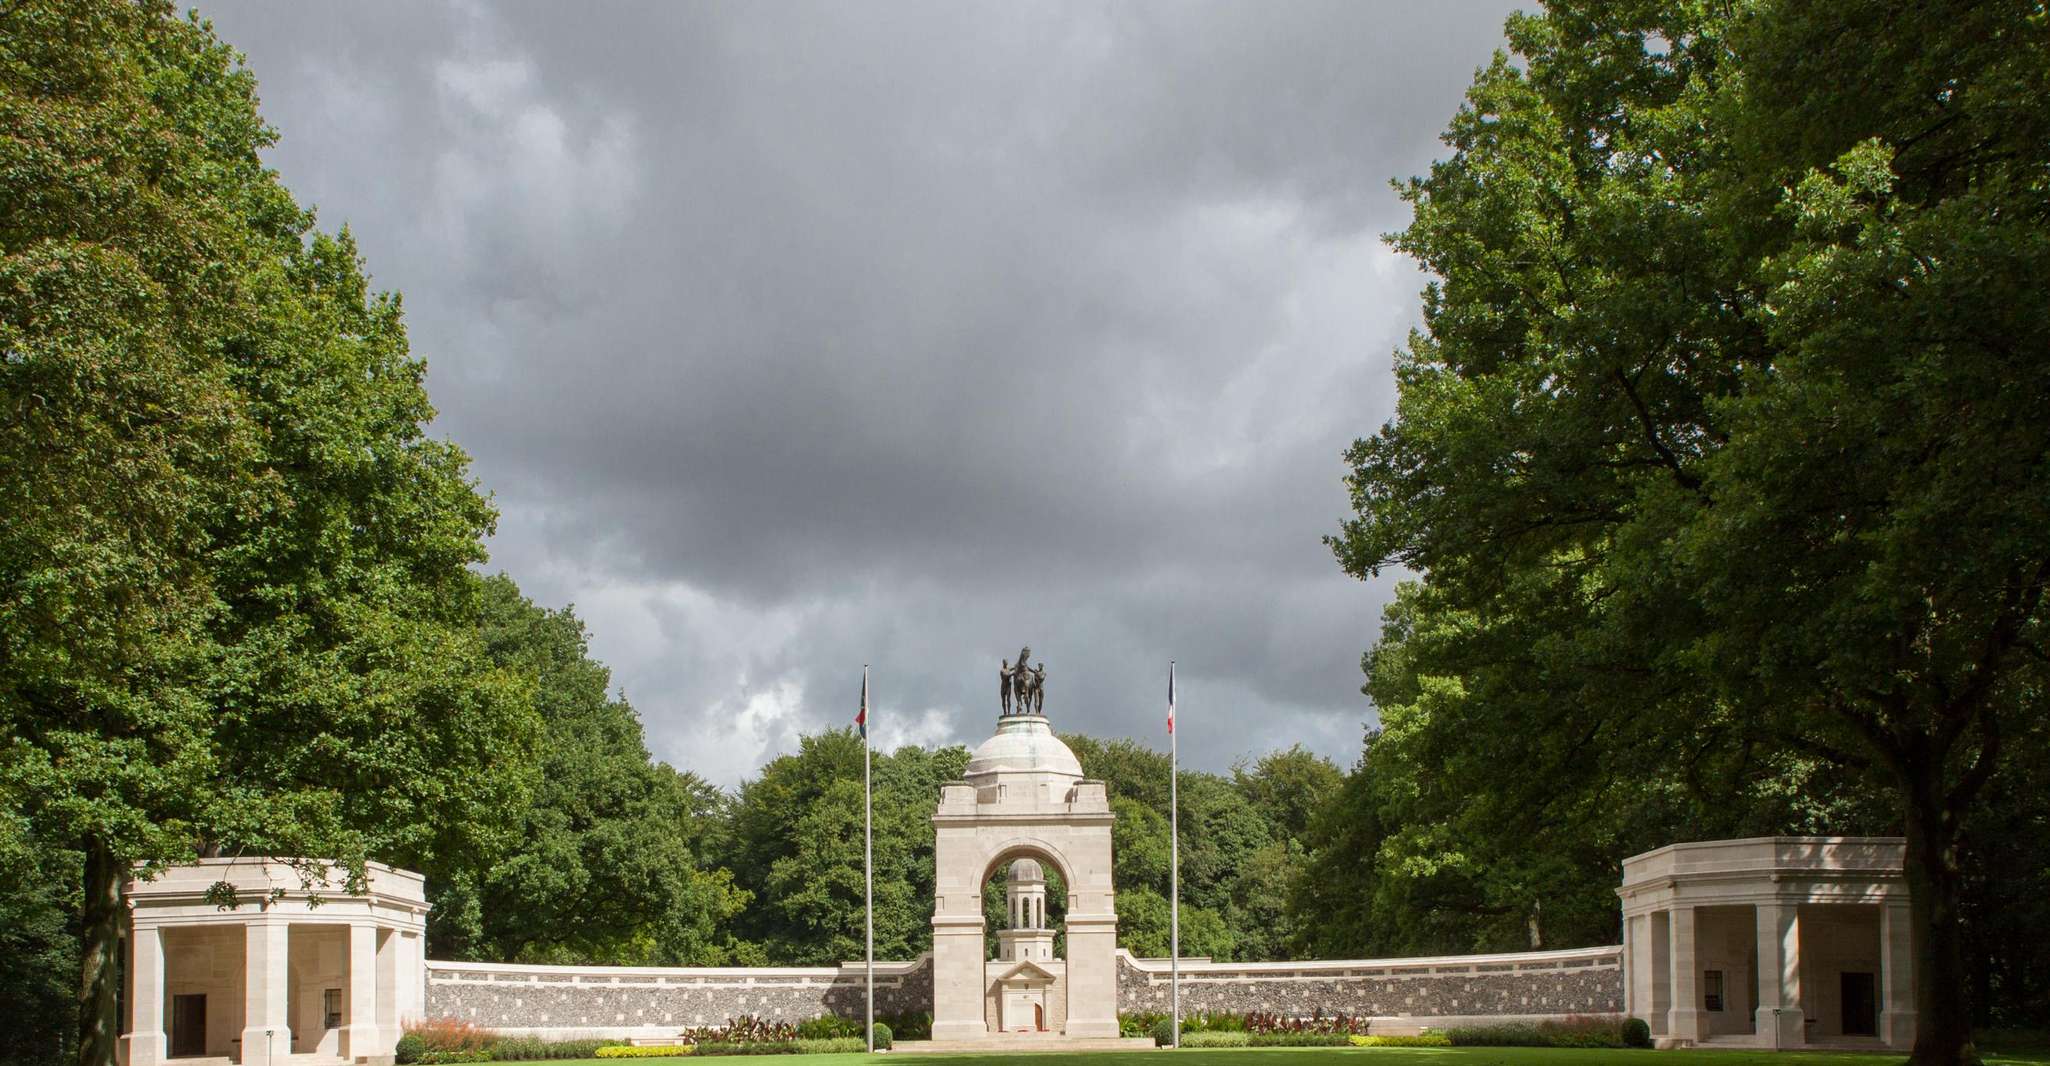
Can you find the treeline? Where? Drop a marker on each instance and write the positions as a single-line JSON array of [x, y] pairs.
[[617, 858]]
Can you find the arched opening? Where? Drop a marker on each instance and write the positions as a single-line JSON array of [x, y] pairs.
[[1024, 904]]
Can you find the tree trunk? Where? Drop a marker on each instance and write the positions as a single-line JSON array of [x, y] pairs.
[[99, 1029], [1943, 1022]]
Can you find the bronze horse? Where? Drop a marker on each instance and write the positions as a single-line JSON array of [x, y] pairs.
[[1019, 687]]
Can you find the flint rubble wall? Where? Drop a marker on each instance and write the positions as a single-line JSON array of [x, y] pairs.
[[1406, 992], [625, 1002]]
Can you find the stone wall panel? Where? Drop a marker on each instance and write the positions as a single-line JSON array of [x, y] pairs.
[[1590, 985], [518, 998]]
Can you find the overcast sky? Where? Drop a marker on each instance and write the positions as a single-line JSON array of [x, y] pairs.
[[793, 337]]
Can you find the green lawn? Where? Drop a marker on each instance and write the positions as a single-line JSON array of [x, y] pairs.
[[1464, 1056]]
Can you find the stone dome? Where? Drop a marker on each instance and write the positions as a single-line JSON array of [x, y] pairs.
[[1025, 872], [1023, 743]]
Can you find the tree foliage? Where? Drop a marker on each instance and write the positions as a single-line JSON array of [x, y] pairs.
[[1722, 444], [235, 616], [612, 864]]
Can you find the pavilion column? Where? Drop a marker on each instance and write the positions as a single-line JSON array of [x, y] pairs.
[[1896, 975], [1686, 1020], [1658, 970], [1641, 970], [361, 1036], [1779, 1018], [1629, 968], [266, 1028], [389, 988], [146, 1043]]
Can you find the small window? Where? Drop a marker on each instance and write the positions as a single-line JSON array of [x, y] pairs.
[[331, 1005], [1712, 990]]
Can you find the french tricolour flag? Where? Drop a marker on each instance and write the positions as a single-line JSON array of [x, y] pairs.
[[1170, 699], [861, 717]]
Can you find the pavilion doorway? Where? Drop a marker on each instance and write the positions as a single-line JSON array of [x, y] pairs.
[[188, 1026]]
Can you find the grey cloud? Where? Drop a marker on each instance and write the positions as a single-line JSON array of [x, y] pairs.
[[796, 336]]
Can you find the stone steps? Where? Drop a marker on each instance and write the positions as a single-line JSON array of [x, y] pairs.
[[1015, 1043]]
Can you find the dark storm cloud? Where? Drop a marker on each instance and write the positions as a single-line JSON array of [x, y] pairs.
[[794, 337]]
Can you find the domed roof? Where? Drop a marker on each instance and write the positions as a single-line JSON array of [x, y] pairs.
[[1024, 742], [1026, 871]]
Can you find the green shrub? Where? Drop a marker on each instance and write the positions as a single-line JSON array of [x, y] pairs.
[[1636, 1033], [828, 1027], [1298, 1039], [535, 1049], [881, 1036], [762, 1047], [1417, 1040], [409, 1048], [832, 1045], [519, 1049], [623, 1051], [1163, 1033], [1216, 1038], [1138, 1023], [1580, 1031], [442, 1058], [1584, 1031], [910, 1025], [1505, 1035]]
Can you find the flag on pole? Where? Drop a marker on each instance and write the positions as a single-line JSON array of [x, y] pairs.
[[1170, 698], [868, 863], [1174, 864]]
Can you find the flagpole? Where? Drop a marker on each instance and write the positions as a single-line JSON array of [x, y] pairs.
[[868, 864], [1174, 852]]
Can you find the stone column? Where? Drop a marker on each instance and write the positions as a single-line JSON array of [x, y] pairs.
[[361, 1037], [266, 1028], [1778, 1021], [389, 988], [1686, 1021], [957, 969], [146, 1043], [1658, 956], [1093, 970], [1896, 975], [1630, 968]]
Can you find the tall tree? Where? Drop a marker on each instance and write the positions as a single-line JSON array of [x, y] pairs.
[[235, 615], [1291, 787], [1733, 375], [610, 864], [122, 248], [795, 842]]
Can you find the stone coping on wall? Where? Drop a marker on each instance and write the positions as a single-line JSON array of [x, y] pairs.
[[1204, 969], [503, 972]]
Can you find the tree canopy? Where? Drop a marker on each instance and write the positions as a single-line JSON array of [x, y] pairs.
[[1722, 441], [236, 606]]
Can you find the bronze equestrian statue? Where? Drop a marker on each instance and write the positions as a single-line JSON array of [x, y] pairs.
[[1019, 687]]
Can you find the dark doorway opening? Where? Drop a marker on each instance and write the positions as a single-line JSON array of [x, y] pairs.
[[188, 1025], [1861, 1004]]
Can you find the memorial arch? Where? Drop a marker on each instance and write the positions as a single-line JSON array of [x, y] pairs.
[[1023, 806]]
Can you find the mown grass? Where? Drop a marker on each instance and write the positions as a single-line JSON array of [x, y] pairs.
[[1455, 1056]]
